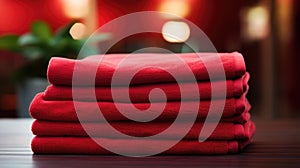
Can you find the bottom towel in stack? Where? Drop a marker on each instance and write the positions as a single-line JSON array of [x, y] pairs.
[[70, 138]]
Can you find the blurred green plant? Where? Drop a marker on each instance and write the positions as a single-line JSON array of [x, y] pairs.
[[38, 46]]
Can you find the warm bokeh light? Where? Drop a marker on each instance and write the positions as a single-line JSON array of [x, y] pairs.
[[76, 8], [258, 22], [78, 31], [285, 13], [175, 7], [176, 31]]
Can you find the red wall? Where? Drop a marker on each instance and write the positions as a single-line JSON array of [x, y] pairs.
[[17, 15], [219, 20]]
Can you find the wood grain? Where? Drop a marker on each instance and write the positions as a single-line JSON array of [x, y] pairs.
[[276, 144]]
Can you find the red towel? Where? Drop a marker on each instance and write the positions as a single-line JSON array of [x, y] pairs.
[[65, 110], [85, 145], [224, 131], [60, 70], [139, 94], [59, 132], [71, 145]]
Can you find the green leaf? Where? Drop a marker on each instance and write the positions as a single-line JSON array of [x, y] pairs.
[[58, 44], [9, 42], [28, 39], [32, 53], [41, 30]]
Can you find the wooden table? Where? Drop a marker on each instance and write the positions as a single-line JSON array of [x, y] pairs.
[[277, 144]]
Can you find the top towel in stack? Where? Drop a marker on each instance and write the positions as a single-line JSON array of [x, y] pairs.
[[60, 70], [55, 109]]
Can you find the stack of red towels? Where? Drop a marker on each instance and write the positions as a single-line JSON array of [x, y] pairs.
[[58, 130]]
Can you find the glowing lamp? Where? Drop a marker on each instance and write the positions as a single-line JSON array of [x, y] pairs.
[[176, 31]]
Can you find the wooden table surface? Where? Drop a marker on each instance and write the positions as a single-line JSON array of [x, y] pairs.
[[276, 144]]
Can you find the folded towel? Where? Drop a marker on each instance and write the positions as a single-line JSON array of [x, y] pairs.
[[71, 145], [223, 131], [139, 94], [75, 145], [147, 66], [65, 110]]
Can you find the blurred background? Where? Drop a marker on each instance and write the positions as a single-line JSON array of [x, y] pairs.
[[266, 32]]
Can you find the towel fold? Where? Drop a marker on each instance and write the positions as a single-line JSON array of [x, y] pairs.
[[139, 94], [223, 131], [146, 67], [71, 145], [65, 110]]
